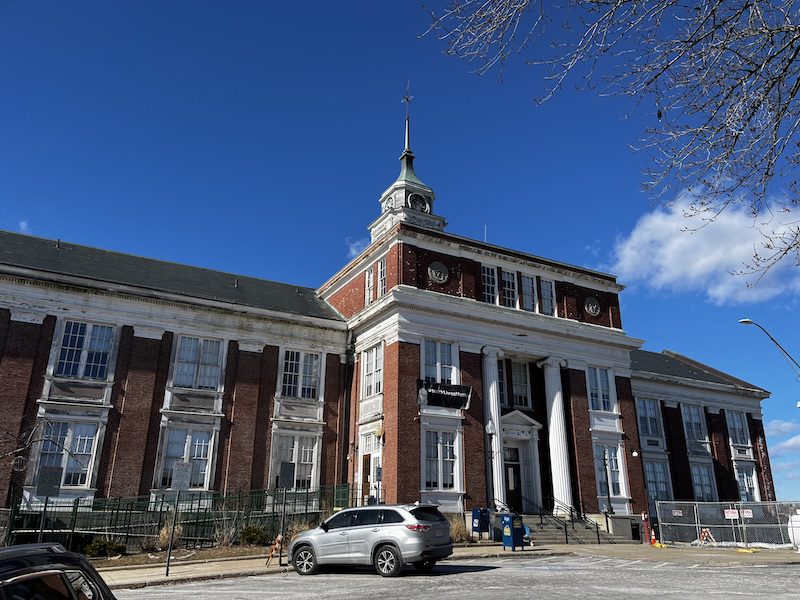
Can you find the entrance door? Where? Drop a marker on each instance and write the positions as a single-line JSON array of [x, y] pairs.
[[366, 479], [513, 478]]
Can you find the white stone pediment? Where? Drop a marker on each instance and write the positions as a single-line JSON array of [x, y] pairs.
[[519, 419]]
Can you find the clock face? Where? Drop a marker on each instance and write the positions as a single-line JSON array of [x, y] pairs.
[[418, 202], [592, 306]]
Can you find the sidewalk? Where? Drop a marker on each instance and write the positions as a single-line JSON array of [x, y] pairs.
[[141, 576]]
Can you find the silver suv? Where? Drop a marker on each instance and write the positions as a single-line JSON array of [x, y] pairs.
[[387, 537]]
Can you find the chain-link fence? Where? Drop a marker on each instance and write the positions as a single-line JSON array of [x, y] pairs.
[[201, 518], [759, 524]]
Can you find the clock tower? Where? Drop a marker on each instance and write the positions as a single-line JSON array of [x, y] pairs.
[[407, 200]]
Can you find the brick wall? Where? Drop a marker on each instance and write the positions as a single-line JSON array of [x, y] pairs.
[[583, 457], [141, 399], [474, 438], [349, 300], [462, 280], [26, 347], [630, 427], [262, 440], [678, 454], [571, 298], [758, 439], [727, 488], [111, 440], [401, 475], [331, 414]]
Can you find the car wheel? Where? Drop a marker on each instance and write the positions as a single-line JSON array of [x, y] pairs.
[[304, 561], [425, 566], [388, 562]]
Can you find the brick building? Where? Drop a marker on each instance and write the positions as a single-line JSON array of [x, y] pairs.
[[430, 367]]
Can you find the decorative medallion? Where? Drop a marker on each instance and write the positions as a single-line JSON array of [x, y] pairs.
[[592, 306], [438, 273], [419, 203]]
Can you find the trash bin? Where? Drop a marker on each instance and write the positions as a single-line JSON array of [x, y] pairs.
[[480, 521], [512, 530]]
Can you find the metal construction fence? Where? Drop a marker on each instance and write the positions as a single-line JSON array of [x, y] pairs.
[[201, 518], [726, 523]]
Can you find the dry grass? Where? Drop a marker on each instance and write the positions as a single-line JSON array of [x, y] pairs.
[[458, 529]]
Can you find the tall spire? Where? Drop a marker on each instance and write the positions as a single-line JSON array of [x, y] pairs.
[[407, 157]]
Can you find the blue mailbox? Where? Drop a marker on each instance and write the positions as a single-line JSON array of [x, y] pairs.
[[480, 521], [513, 531]]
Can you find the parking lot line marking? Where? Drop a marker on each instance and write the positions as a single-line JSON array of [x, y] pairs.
[[659, 565], [628, 564]]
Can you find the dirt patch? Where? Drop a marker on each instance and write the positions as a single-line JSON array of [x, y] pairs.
[[179, 556]]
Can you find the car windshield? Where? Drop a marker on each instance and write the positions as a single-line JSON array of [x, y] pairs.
[[428, 514]]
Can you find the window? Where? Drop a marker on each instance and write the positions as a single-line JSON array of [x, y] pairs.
[[300, 375], [392, 516], [737, 428], [183, 445], [339, 520], [294, 456], [197, 363], [528, 294], [520, 390], [84, 351], [367, 517], [70, 446], [599, 389], [45, 585], [702, 482], [548, 298], [607, 468], [382, 276], [655, 475], [693, 423], [746, 478], [509, 295], [440, 460], [373, 371], [439, 366], [368, 285], [489, 284], [501, 382], [649, 421]]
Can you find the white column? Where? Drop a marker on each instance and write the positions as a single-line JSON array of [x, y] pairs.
[[557, 434], [491, 403]]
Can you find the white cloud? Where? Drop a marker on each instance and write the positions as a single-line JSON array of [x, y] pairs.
[[792, 467], [778, 427], [661, 253], [24, 227], [354, 247], [790, 445]]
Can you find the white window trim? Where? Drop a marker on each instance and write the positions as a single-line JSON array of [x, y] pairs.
[[369, 285], [191, 427], [746, 430], [511, 400], [36, 451], [320, 384], [751, 466], [58, 337], [274, 469], [659, 420], [622, 469], [710, 466], [364, 362], [454, 358], [704, 441], [552, 283], [665, 463], [223, 360], [496, 300], [612, 389], [534, 293], [381, 276], [440, 424], [501, 288]]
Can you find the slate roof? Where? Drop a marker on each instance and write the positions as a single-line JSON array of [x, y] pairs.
[[62, 258], [675, 365]]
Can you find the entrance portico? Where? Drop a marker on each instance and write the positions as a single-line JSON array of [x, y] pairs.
[[522, 473]]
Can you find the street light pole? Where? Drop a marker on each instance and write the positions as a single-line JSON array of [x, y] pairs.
[[792, 362]]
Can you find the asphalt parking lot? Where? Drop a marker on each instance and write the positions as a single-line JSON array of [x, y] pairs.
[[499, 578]]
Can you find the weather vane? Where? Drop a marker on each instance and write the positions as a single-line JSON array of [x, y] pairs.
[[408, 98]]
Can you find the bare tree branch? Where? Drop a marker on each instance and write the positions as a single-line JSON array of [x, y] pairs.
[[723, 76]]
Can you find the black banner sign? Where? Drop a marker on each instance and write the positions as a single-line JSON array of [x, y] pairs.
[[444, 395]]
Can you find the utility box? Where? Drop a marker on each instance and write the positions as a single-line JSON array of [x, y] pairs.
[[513, 531]]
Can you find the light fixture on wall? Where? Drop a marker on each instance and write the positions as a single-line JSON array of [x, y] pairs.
[[490, 429], [635, 453]]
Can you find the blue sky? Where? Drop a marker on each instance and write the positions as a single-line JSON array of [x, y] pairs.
[[256, 137]]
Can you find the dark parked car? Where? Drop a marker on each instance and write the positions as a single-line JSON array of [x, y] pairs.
[[48, 572], [386, 537]]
